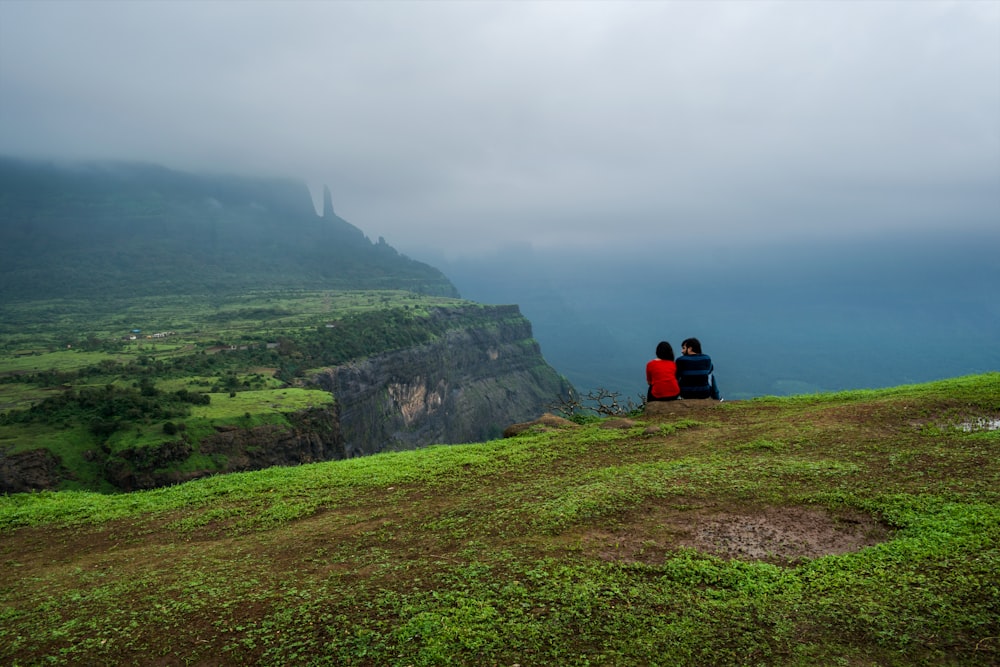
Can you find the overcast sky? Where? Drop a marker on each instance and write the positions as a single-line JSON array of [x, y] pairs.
[[471, 126]]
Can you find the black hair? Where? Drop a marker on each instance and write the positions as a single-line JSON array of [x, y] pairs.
[[664, 351], [692, 344]]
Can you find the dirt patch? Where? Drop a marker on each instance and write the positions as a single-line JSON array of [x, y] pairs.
[[621, 424], [779, 535], [681, 408]]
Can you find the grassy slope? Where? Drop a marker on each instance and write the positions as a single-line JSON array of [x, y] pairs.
[[561, 547]]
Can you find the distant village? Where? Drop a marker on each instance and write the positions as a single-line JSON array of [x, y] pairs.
[[136, 334]]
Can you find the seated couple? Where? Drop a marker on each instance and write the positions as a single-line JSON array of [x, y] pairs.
[[690, 376]]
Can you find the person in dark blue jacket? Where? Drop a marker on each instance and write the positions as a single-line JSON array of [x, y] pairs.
[[695, 373]]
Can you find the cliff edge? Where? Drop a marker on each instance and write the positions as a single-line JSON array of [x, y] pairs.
[[466, 386]]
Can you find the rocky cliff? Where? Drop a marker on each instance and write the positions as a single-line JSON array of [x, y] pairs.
[[31, 470], [481, 374], [106, 234], [465, 386]]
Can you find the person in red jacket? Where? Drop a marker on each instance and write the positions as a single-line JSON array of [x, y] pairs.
[[661, 375]]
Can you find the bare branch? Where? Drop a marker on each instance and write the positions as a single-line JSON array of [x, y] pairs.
[[601, 402]]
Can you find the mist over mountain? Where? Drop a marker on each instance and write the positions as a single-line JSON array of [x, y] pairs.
[[107, 228], [259, 296], [802, 317]]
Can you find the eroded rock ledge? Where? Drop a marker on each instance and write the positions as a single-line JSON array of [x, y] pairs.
[[467, 386]]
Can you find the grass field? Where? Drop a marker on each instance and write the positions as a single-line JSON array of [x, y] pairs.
[[42, 326], [858, 528], [288, 399]]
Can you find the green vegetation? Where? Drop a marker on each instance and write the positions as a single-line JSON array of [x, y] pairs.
[[90, 380], [133, 296], [858, 528]]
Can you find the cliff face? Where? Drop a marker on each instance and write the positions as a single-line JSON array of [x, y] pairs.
[[466, 386], [482, 374], [32, 470]]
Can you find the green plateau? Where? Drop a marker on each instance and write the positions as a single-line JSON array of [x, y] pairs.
[[94, 402]]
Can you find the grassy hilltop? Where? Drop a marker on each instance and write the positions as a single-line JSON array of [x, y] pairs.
[[858, 528]]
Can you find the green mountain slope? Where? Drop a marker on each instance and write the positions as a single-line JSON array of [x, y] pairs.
[[108, 229], [860, 528]]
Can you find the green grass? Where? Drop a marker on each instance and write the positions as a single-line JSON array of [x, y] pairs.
[[20, 397], [572, 547], [290, 399], [61, 359], [34, 336]]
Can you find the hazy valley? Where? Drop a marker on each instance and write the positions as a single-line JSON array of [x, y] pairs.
[[777, 319]]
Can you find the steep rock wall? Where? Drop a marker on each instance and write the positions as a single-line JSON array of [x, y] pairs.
[[32, 470], [466, 386]]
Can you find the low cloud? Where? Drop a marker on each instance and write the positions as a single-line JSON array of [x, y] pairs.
[[465, 127]]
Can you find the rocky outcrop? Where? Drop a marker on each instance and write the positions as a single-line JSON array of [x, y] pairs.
[[465, 386], [313, 435], [32, 470], [138, 468], [545, 423]]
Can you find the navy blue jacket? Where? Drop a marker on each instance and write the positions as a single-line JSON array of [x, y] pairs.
[[696, 376]]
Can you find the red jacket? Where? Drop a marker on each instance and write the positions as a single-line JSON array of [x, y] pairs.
[[661, 376]]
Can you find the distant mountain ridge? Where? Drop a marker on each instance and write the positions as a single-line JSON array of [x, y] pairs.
[[100, 229]]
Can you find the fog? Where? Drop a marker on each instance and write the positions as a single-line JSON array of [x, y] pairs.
[[461, 128], [812, 188], [791, 319]]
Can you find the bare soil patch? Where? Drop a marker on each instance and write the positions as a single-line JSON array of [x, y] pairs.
[[773, 534]]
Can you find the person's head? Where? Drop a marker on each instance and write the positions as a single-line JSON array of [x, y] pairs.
[[691, 346], [664, 351]]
